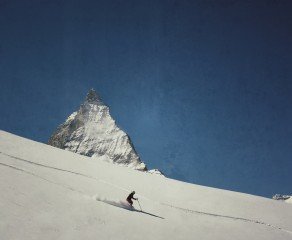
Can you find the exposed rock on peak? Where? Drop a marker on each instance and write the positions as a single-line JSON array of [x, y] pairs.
[[91, 131], [156, 172], [286, 198], [92, 97]]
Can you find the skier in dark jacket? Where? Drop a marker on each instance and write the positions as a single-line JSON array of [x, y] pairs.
[[130, 197]]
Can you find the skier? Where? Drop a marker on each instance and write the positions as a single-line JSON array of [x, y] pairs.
[[130, 197]]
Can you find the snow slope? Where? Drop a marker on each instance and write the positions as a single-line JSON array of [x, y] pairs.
[[48, 193]]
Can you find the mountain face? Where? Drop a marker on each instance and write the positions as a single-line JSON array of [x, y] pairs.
[[91, 131]]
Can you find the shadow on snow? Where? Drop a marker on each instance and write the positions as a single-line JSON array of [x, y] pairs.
[[125, 205]]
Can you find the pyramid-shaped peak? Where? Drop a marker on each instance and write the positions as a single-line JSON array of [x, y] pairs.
[[92, 97], [91, 131]]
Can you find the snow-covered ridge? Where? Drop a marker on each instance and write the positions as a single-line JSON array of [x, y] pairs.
[[91, 131], [49, 193]]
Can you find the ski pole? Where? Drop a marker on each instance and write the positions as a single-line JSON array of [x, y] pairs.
[[139, 205]]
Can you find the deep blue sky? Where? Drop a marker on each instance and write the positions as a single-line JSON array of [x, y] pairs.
[[202, 87]]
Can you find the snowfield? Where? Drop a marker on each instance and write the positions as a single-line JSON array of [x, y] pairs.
[[48, 193]]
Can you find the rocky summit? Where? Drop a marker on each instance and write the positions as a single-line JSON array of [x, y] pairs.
[[91, 131]]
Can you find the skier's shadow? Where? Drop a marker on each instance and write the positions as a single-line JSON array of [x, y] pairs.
[[150, 214]]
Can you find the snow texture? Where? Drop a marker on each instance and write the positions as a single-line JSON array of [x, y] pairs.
[[91, 131], [49, 193]]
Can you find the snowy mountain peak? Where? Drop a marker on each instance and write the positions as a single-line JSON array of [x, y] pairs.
[[91, 131], [93, 97]]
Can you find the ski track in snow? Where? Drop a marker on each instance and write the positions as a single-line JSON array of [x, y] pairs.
[[38, 176], [64, 170], [228, 217], [115, 186], [124, 205]]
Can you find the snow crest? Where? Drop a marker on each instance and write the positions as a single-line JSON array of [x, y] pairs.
[[91, 131]]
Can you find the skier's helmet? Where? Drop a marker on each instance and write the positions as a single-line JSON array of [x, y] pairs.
[[133, 192]]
